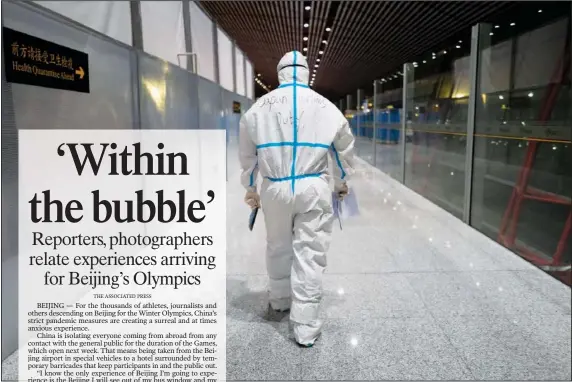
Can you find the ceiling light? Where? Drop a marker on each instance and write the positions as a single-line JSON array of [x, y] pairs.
[[444, 52], [501, 97], [259, 74], [325, 42], [497, 26], [305, 38], [328, 29], [530, 94], [491, 33], [512, 24], [458, 47], [460, 41], [318, 59], [306, 25], [434, 57], [424, 61], [307, 7], [540, 11], [305, 49], [315, 66]]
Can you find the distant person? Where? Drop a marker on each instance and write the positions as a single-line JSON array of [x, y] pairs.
[[286, 136]]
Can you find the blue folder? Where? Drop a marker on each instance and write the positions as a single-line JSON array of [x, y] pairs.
[[252, 218]]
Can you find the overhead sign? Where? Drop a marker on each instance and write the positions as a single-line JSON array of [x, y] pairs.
[[236, 107], [32, 61]]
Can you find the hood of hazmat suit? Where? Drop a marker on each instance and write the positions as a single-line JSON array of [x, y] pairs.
[[287, 137]]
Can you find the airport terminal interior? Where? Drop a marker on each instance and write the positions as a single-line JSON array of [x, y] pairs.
[[459, 264]]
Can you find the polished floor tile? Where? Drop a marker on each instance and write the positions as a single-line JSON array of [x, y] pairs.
[[355, 297], [383, 349], [481, 294], [512, 347], [262, 351]]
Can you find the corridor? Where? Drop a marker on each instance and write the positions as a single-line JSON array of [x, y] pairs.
[[410, 293]]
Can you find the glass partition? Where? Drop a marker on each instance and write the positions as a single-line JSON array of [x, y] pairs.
[[388, 118], [522, 177], [436, 124]]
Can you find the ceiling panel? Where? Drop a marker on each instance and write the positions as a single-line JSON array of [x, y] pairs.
[[366, 40]]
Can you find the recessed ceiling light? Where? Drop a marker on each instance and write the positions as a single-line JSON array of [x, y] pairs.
[[540, 11], [512, 24], [305, 49], [458, 47], [308, 7], [491, 33], [321, 52], [424, 61], [460, 41], [315, 66], [328, 29], [318, 59], [325, 42], [306, 25], [305, 38], [497, 26], [444, 52]]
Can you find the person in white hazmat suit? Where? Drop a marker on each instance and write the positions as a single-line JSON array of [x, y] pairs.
[[286, 137]]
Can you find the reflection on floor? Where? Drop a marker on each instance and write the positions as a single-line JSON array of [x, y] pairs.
[[410, 293]]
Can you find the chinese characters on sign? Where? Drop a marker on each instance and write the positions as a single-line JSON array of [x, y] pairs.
[[32, 61], [41, 56]]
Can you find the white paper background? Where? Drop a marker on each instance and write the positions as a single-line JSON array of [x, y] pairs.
[[42, 169]]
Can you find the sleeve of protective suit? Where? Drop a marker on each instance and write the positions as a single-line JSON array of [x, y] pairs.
[[342, 152], [247, 157]]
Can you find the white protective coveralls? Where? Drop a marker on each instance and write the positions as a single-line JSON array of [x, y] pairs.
[[286, 136]]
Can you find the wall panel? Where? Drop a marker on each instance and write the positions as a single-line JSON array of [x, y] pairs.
[[225, 61], [112, 18], [163, 30], [202, 41]]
